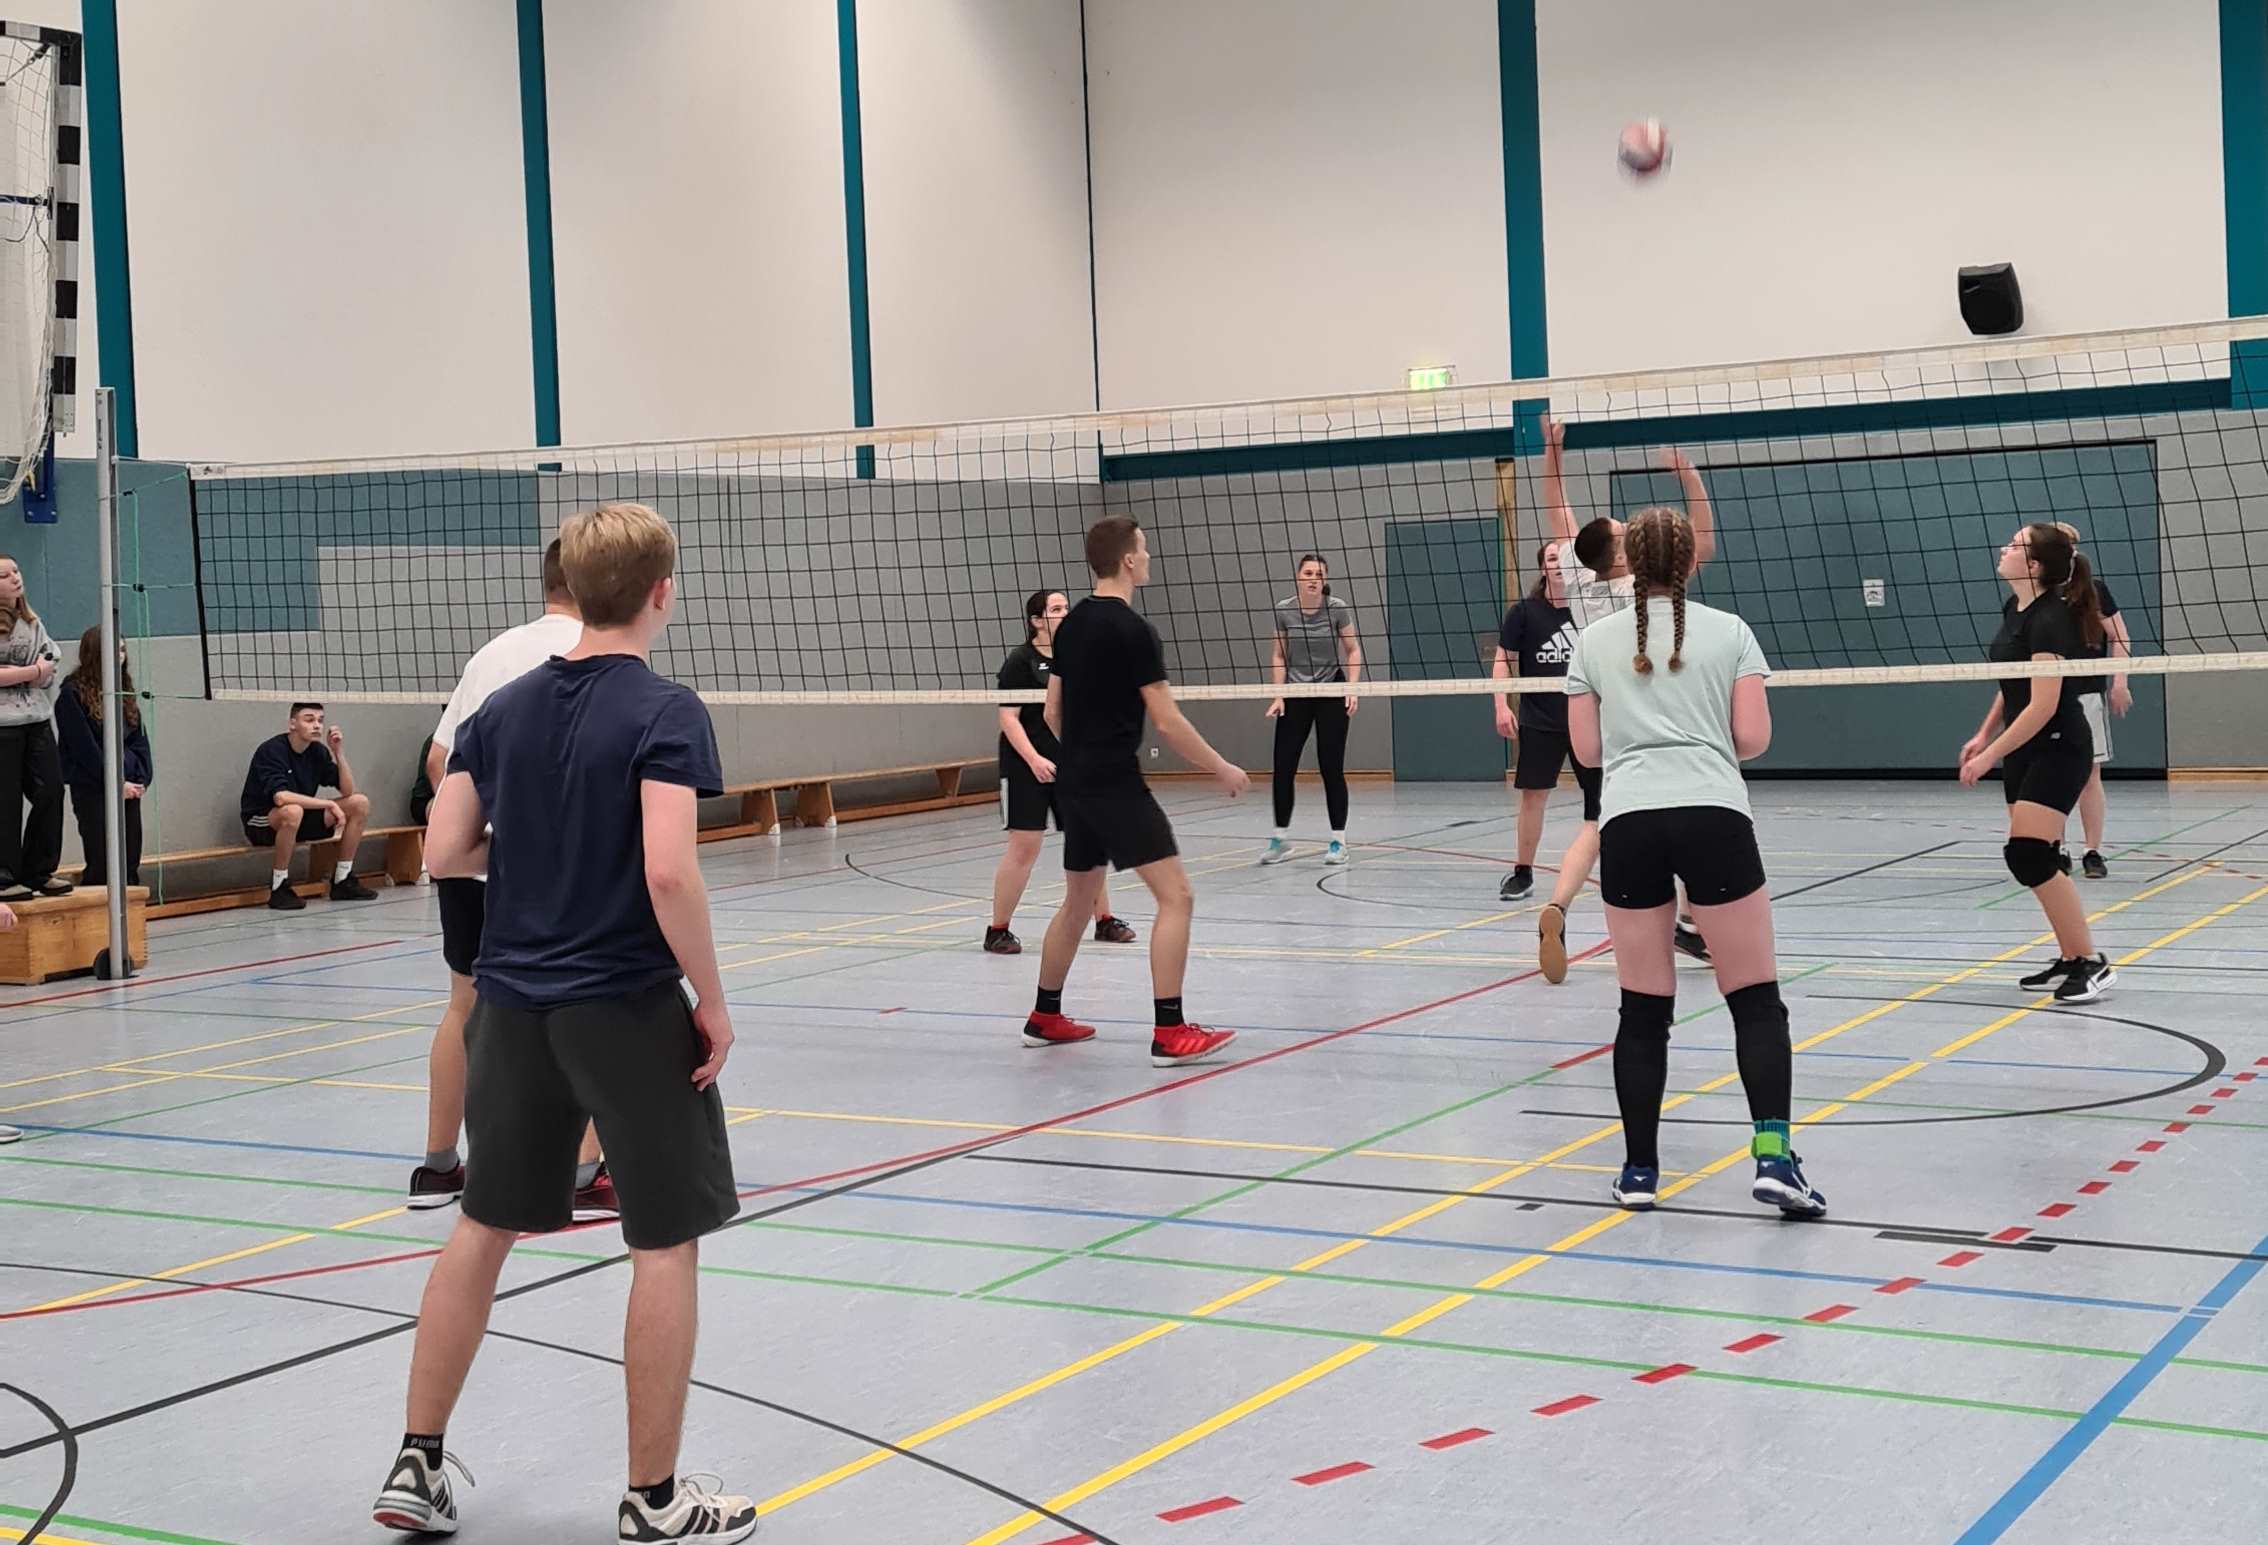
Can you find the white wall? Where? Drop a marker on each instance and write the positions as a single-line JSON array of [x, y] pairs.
[[1834, 161], [976, 208], [326, 226], [1295, 196], [697, 208]]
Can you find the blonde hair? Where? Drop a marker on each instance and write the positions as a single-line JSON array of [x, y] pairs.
[[1658, 546], [614, 556], [21, 608]]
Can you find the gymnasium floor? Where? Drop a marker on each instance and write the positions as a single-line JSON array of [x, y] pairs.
[[1360, 1285]]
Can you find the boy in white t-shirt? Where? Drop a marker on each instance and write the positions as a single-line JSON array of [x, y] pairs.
[[1595, 576]]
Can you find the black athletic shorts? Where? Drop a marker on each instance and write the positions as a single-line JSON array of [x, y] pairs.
[[464, 906], [1541, 754], [309, 831], [2050, 769], [1645, 853], [1125, 830], [1025, 802], [534, 1076]]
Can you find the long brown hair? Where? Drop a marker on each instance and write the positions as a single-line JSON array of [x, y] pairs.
[[86, 680], [21, 607], [2064, 572], [1541, 589], [1658, 546]]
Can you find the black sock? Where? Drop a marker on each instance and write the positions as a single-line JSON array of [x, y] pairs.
[[1760, 1047], [660, 1495], [1641, 1072], [1169, 1011], [427, 1444], [1050, 1001]]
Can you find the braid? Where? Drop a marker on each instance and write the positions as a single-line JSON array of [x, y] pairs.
[[1681, 548], [1637, 543]]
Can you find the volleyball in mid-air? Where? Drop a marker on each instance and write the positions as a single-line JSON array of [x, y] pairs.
[[1644, 148]]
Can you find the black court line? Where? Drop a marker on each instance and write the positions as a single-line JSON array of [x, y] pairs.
[[726, 1390], [2164, 874], [70, 1476], [1887, 863]]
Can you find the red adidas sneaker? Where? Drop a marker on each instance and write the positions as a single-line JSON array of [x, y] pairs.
[[1182, 1044], [1055, 1030]]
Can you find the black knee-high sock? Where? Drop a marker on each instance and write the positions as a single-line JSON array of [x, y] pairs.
[[1760, 1045], [1641, 1071]]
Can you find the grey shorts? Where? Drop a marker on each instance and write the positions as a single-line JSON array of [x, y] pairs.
[[2096, 706]]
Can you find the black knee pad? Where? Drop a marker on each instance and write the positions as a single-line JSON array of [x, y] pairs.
[[2034, 861], [1646, 1016], [1758, 1011]]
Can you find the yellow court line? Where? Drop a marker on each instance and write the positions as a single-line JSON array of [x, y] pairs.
[[164, 1076], [1593, 1230], [1438, 933], [46, 1537], [130, 1063], [212, 1260]]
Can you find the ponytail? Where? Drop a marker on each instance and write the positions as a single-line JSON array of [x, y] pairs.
[[2085, 601]]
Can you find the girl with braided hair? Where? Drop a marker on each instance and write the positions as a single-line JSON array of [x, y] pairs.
[[1668, 698]]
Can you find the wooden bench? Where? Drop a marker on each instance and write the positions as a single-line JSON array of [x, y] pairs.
[[404, 861], [815, 803], [61, 935]]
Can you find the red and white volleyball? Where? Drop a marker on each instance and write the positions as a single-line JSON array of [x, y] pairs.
[[1644, 148]]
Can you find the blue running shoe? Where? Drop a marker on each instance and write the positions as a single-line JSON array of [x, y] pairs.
[[1780, 1183], [1278, 850], [1634, 1188]]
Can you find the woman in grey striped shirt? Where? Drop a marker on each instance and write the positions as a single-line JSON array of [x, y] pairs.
[[1315, 642]]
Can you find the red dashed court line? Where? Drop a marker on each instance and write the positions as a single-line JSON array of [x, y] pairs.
[[1571, 1403], [2177, 1127], [1961, 1258], [2126, 1166], [1334, 1473], [2009, 1236], [1830, 1314], [1753, 1343], [2152, 1146], [2222, 1094], [1900, 1286], [1179, 1515], [2094, 1188], [2201, 1110], [900, 1009], [1452, 1439], [2057, 1209], [1582, 1057], [2245, 1077], [1663, 1374]]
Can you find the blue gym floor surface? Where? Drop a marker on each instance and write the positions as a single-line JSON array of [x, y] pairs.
[[1359, 1283]]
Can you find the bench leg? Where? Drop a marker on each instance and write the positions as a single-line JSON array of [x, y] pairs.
[[761, 810], [948, 782], [405, 856], [815, 804]]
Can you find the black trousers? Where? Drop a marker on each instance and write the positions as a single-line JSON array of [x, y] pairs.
[[1327, 717], [87, 807], [31, 773]]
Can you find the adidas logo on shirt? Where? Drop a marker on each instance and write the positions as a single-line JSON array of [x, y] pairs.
[[1561, 649]]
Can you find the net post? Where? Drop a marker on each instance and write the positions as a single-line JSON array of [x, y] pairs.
[[113, 713]]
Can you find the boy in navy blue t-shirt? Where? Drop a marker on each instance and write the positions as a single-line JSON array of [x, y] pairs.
[[575, 789]]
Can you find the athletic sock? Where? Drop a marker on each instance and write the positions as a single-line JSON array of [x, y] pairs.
[[1283, 834], [428, 1446], [341, 870], [443, 1160], [585, 1174], [278, 879], [1760, 1049], [1340, 838], [658, 1496], [1641, 1072], [1771, 1141], [1169, 1011], [1050, 1001]]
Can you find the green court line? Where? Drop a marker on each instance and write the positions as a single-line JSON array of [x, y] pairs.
[[216, 1099], [102, 1526], [294, 1182], [2014, 891], [1305, 1165], [2196, 1123]]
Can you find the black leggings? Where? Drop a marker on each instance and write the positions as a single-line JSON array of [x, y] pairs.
[[87, 806], [1641, 1062], [1327, 716], [31, 803]]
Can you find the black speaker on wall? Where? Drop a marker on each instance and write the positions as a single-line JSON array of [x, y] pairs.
[[1991, 303]]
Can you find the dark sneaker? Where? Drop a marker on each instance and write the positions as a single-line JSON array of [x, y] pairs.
[[1111, 931], [697, 1512], [2048, 975], [999, 941], [1178, 1045], [54, 885], [430, 1188], [1780, 1183], [284, 899], [1634, 1188], [1551, 943], [2088, 981], [1055, 1030], [1518, 885], [595, 1203], [2093, 867], [1690, 943], [351, 889], [417, 1499]]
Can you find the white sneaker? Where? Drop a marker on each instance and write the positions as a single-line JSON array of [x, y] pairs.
[[417, 1498], [11, 1135], [1335, 854], [1278, 851], [697, 1512]]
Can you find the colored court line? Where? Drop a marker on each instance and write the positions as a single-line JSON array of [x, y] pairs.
[[100, 1525], [1104, 1479], [183, 976], [210, 1261]]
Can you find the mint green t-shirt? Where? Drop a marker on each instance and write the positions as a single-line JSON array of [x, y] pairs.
[[1666, 737]]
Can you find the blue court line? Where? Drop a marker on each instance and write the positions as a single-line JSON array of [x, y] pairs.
[[1482, 1247], [2052, 1465]]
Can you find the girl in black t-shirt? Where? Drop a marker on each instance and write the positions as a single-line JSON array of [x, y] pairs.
[[2036, 730], [1027, 777]]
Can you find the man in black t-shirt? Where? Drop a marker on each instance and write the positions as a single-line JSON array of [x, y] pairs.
[[1109, 676], [283, 805], [576, 790]]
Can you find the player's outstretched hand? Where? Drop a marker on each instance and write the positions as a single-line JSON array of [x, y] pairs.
[[714, 1026], [1233, 778]]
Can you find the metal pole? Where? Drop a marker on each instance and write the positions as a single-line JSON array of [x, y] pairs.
[[113, 706]]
